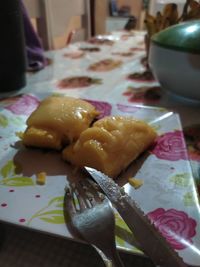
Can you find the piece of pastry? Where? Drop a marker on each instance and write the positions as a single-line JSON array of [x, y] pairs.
[[111, 144], [58, 120]]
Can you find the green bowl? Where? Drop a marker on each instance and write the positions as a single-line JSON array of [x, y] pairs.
[[182, 37], [174, 59]]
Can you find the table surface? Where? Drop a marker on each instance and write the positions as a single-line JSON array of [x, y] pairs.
[[127, 48]]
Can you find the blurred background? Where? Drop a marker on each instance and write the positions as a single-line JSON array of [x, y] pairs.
[[59, 21]]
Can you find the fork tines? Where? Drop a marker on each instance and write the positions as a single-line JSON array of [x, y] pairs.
[[83, 195]]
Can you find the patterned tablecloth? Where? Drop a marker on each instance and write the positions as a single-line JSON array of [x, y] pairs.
[[110, 72]]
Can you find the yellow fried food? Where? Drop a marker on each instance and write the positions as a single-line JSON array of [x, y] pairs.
[[58, 121], [111, 144]]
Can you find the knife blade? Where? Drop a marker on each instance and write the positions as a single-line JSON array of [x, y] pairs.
[[151, 241]]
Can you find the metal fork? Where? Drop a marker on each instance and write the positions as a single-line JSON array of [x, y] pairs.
[[92, 218]]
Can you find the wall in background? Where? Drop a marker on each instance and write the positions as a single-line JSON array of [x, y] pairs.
[[101, 13]]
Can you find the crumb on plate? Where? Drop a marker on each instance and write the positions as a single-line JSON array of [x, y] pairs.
[[41, 178], [136, 183]]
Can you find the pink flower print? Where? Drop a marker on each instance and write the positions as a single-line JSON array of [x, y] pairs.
[[171, 146], [176, 226], [25, 105], [103, 107]]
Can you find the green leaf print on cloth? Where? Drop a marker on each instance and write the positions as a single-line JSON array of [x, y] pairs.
[[52, 213], [11, 174], [53, 216], [17, 181], [189, 199], [57, 202], [181, 179], [3, 121]]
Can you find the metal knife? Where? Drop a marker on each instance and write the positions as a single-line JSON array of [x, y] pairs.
[[151, 241]]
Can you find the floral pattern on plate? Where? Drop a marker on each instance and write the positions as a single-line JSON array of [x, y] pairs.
[[12, 176], [176, 226], [24, 105], [103, 107], [171, 146], [52, 213]]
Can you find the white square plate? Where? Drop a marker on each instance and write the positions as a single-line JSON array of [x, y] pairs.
[[168, 194]]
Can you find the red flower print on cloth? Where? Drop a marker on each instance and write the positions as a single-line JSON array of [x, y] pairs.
[[176, 226], [78, 82], [170, 146], [74, 54], [145, 76], [25, 105], [138, 48], [103, 107], [144, 94]]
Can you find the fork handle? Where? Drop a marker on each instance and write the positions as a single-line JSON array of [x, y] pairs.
[[116, 262], [113, 263], [114, 257], [111, 258]]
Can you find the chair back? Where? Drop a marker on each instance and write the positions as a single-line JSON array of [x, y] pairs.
[[55, 20], [136, 9]]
